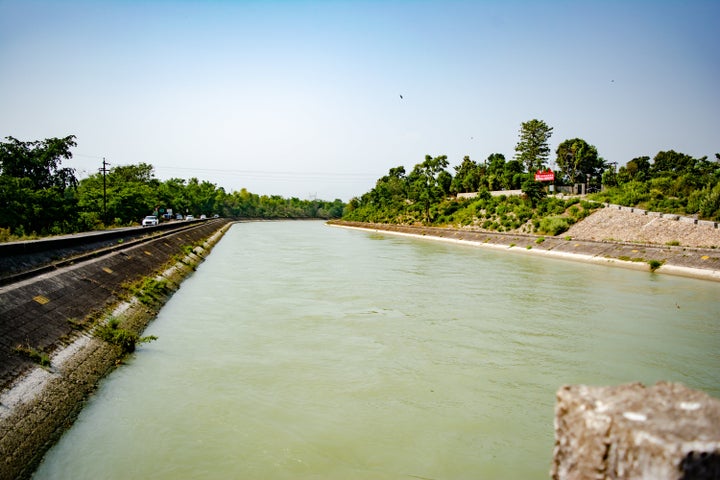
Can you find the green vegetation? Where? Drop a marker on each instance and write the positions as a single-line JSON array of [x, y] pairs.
[[37, 356], [120, 337], [654, 265], [550, 215], [672, 183], [532, 148], [430, 195], [151, 291], [625, 258], [38, 197], [577, 159]]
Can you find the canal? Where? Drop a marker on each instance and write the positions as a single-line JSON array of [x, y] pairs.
[[299, 351]]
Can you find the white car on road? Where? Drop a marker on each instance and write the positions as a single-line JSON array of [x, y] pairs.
[[150, 221]]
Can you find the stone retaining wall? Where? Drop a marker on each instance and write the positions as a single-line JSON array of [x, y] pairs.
[[55, 313]]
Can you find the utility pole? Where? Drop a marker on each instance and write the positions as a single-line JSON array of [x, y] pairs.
[[104, 171]]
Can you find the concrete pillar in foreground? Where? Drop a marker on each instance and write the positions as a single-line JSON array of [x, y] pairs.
[[666, 431]]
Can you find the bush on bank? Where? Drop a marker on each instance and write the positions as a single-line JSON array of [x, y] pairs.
[[550, 215]]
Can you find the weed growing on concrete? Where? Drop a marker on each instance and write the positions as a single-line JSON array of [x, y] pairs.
[[37, 356], [654, 265], [151, 291], [625, 258], [540, 240], [124, 339]]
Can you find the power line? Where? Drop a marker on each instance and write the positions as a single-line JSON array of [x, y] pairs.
[[258, 174], [278, 175]]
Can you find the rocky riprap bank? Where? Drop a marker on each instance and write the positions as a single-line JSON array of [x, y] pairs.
[[52, 317]]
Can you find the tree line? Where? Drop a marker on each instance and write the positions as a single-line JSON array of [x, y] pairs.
[[38, 196], [672, 182]]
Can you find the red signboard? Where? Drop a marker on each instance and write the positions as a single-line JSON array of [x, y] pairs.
[[546, 176]]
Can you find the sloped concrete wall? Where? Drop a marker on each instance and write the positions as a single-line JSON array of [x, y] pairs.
[[55, 313], [693, 262]]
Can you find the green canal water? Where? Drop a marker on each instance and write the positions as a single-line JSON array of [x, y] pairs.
[[302, 351]]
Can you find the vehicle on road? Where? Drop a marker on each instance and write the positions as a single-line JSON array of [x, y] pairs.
[[203, 217], [150, 221], [189, 217]]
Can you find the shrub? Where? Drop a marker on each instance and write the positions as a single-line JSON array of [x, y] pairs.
[[120, 337], [572, 201], [151, 291], [588, 205], [5, 235], [553, 225], [654, 265], [709, 203]]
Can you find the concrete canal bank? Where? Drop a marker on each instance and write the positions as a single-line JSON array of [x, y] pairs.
[[701, 263], [51, 358]]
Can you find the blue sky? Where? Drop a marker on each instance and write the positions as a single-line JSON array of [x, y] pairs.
[[302, 98]]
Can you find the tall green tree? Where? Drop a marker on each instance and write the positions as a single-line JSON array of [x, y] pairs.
[[534, 191], [512, 175], [637, 169], [532, 148], [132, 192], [425, 188], [467, 176], [577, 159], [672, 163], [37, 194], [494, 171], [391, 189], [172, 196]]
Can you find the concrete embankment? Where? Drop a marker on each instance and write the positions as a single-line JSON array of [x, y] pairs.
[[52, 318], [702, 263]]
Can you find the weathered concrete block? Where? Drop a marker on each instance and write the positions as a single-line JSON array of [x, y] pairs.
[[666, 431]]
